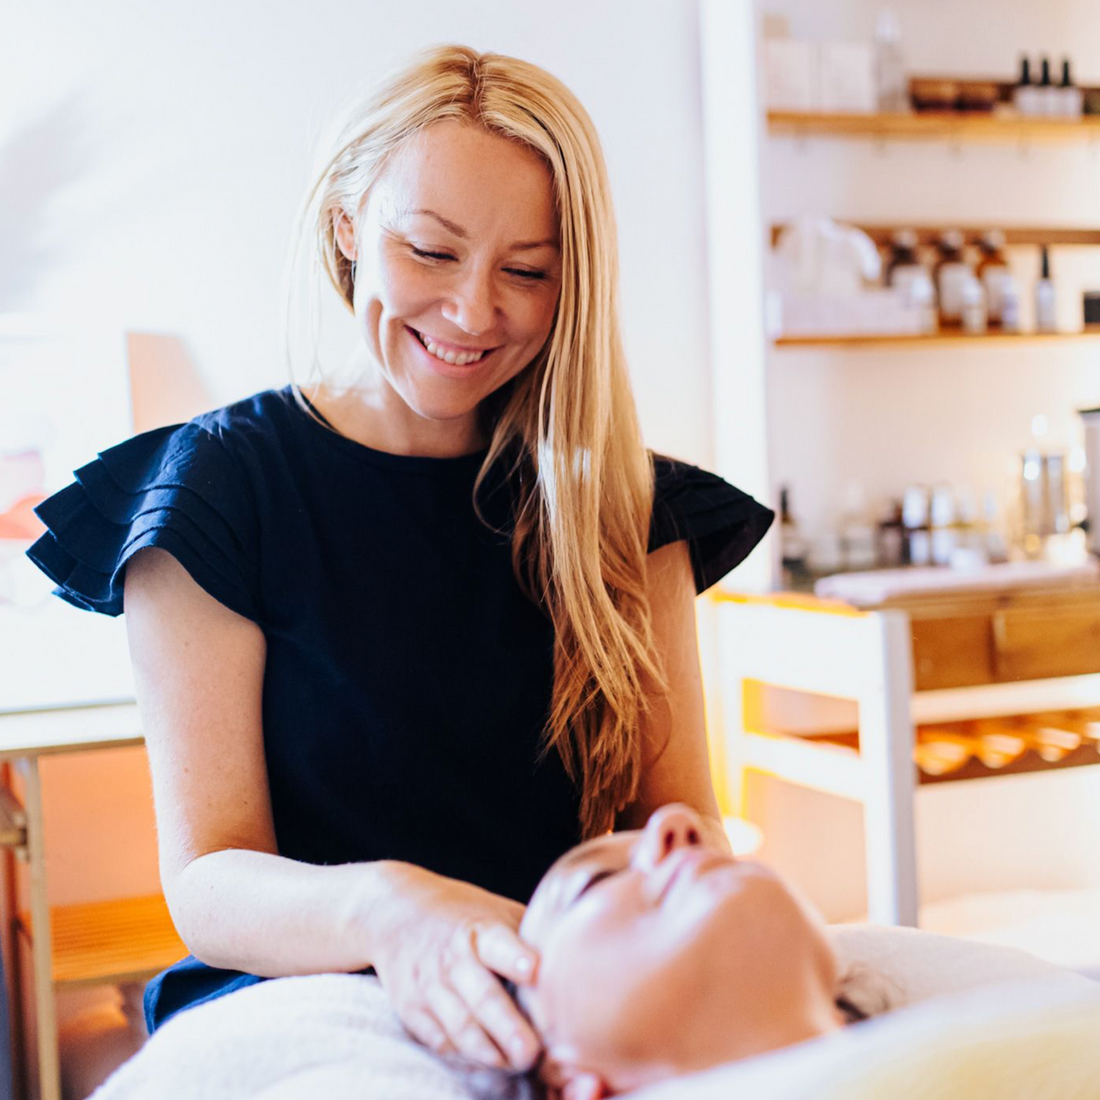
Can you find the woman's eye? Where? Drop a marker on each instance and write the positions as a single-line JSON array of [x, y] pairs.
[[599, 876], [424, 254]]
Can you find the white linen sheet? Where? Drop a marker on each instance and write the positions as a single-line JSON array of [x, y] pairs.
[[971, 1006]]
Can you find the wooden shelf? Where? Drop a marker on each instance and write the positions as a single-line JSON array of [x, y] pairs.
[[939, 339], [1040, 733], [936, 125], [105, 942], [928, 235]]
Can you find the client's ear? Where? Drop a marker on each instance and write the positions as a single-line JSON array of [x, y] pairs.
[[566, 1082], [584, 1086]]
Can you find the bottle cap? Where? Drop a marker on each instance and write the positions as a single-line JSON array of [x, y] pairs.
[[904, 238], [952, 239], [1044, 71], [1046, 262], [1025, 70], [993, 240]]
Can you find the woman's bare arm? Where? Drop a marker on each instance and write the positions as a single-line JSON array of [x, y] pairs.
[[198, 670], [237, 903], [677, 764]]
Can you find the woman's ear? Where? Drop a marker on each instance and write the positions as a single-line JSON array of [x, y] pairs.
[[584, 1086], [345, 234]]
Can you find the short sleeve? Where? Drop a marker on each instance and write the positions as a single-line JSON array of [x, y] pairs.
[[722, 524], [175, 487]]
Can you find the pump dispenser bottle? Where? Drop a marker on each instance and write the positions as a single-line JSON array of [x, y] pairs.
[[1045, 320]]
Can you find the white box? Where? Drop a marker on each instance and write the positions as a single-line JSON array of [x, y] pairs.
[[847, 75]]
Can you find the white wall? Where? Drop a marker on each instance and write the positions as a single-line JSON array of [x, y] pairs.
[[157, 160]]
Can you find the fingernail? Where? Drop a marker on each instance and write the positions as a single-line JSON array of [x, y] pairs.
[[491, 1056], [524, 964]]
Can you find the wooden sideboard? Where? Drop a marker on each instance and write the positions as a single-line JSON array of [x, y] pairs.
[[948, 686]]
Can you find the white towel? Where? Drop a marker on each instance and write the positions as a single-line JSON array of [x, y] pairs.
[[335, 1037], [315, 1037]]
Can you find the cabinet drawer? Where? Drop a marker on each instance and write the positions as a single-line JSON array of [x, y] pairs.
[[1033, 643], [952, 652]]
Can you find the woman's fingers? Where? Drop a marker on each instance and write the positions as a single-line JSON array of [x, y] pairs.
[[502, 951], [462, 1028], [495, 1011], [426, 1029]]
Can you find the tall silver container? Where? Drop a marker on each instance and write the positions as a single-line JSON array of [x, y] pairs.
[[1091, 419]]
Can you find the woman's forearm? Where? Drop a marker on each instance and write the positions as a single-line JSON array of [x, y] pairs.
[[269, 915]]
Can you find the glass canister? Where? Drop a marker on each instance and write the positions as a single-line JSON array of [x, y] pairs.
[[1044, 499], [1091, 420]]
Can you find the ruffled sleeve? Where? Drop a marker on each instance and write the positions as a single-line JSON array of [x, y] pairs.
[[175, 487], [721, 523]]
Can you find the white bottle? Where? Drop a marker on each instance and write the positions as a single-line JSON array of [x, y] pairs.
[[952, 272], [891, 88], [1025, 93], [1048, 99], [994, 541], [942, 518], [1070, 97], [914, 518], [973, 309], [1045, 318], [1009, 294]]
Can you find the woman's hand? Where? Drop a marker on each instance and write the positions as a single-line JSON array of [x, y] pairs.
[[440, 945]]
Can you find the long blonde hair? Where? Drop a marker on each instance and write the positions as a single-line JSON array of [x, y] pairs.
[[582, 476]]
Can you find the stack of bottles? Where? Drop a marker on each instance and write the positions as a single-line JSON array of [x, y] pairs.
[[1043, 98], [927, 525], [955, 292]]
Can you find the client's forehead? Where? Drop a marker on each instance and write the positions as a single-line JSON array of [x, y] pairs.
[[590, 849], [550, 894]]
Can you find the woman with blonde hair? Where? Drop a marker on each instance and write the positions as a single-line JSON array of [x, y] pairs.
[[403, 638]]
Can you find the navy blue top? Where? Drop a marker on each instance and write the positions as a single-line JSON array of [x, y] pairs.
[[408, 678]]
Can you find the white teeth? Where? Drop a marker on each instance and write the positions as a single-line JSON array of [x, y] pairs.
[[458, 359]]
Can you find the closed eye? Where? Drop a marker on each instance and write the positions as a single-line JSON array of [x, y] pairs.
[[599, 876], [440, 256]]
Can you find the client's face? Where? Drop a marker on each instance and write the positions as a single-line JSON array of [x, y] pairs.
[[660, 955]]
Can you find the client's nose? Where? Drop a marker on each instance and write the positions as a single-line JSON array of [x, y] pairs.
[[671, 827]]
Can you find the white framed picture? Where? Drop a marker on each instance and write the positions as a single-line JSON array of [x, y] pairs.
[[64, 397]]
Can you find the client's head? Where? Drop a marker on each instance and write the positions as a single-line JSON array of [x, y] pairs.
[[660, 956]]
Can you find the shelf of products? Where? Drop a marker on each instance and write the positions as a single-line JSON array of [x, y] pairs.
[[937, 339], [937, 125], [928, 236]]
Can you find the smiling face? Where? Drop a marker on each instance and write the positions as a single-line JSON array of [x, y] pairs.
[[457, 249], [661, 956]]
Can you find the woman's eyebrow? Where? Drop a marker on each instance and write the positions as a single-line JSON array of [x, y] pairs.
[[585, 852], [458, 231]]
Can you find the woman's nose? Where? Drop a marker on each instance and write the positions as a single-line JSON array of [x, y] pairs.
[[668, 829], [472, 307]]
